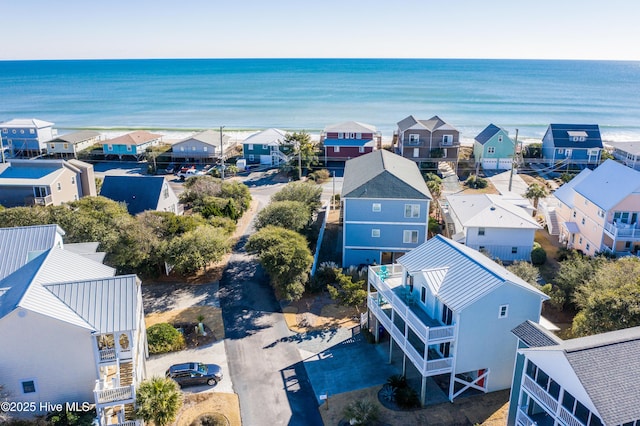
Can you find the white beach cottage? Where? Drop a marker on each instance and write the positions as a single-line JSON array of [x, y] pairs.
[[71, 330], [449, 310]]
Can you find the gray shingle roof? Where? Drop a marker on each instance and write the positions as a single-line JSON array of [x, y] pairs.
[[534, 335], [382, 174], [432, 124], [470, 275], [19, 244], [76, 137], [632, 147], [140, 193]]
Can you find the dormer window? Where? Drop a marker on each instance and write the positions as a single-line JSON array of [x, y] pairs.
[[577, 136]]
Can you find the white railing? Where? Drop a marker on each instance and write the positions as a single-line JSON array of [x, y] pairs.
[[568, 419], [622, 230], [129, 423], [523, 419], [541, 394], [108, 354], [122, 394]]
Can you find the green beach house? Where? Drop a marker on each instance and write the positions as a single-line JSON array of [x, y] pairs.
[[493, 148], [267, 147]]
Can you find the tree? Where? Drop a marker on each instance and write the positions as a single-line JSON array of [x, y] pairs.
[[200, 187], [611, 300], [534, 192], [303, 151], [237, 191], [23, 216], [195, 249], [574, 272], [286, 258], [163, 338], [292, 215], [307, 193], [347, 292], [158, 400], [533, 150], [435, 188], [526, 271]]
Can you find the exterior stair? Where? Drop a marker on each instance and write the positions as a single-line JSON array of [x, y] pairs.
[[126, 373]]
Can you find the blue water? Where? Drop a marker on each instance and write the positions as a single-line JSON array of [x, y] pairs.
[[310, 94]]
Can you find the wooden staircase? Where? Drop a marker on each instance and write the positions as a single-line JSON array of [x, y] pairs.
[[126, 379]]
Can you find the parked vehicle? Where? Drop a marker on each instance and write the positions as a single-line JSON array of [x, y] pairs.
[[195, 373], [185, 173]]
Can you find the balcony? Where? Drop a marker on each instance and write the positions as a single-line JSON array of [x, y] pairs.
[[547, 401], [47, 200], [107, 355], [105, 395], [622, 231]]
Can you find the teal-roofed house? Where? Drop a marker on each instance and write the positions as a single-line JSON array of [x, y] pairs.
[[493, 148]]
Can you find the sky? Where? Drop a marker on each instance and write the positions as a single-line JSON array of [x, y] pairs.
[[505, 29]]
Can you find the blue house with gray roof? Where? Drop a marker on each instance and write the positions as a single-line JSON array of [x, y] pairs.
[[592, 380], [577, 144], [385, 208]]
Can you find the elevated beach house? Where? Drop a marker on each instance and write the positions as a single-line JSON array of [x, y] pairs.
[[385, 208], [627, 153], [592, 380], [132, 144], [45, 182], [142, 193], [446, 313], [71, 329], [598, 211], [203, 147], [349, 140], [267, 147], [490, 224], [26, 137], [428, 141], [577, 144], [70, 144], [494, 149]]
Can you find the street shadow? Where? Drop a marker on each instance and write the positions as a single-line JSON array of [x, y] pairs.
[[326, 334], [163, 297]]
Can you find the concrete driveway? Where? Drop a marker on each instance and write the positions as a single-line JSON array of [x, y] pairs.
[[501, 182], [209, 354]]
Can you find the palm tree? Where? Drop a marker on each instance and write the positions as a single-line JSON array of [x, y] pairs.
[[535, 191], [435, 188], [158, 399]]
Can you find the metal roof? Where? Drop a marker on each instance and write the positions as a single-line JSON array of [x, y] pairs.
[[382, 174], [266, 137], [631, 147], [18, 245], [566, 192], [488, 211], [534, 335], [470, 275], [608, 367], [139, 193], [351, 127], [563, 134], [609, 184], [26, 123]]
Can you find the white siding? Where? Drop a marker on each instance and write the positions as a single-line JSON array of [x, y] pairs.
[[59, 356], [499, 242]]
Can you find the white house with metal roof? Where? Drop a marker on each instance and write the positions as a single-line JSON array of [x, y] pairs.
[[45, 182], [489, 223], [26, 137], [385, 208], [449, 311], [592, 380], [628, 153], [598, 210], [71, 329]]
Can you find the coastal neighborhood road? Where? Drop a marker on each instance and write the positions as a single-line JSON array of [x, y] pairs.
[[267, 370]]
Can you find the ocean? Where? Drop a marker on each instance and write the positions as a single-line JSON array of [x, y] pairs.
[[181, 95]]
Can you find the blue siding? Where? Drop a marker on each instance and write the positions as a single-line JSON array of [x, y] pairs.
[[361, 209], [120, 150]]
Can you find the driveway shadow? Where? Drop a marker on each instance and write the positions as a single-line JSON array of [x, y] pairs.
[[163, 297]]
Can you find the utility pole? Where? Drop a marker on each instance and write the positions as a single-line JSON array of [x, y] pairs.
[[221, 154], [333, 191], [513, 162], [299, 161]]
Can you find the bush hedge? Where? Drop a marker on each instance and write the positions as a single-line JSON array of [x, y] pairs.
[[163, 338]]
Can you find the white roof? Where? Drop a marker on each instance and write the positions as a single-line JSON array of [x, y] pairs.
[[605, 186], [351, 127], [632, 147], [460, 274], [267, 137], [20, 244], [566, 192], [26, 123], [488, 211]]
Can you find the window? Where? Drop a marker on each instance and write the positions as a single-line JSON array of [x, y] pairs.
[[361, 149], [580, 240], [250, 147], [582, 413], [480, 231], [109, 147], [358, 135], [193, 148], [600, 213], [447, 315], [503, 311], [182, 149], [28, 386], [481, 248], [351, 135], [582, 221], [22, 131], [376, 207], [129, 148], [340, 135], [59, 186], [53, 146], [165, 191], [32, 131], [410, 237], [491, 150], [414, 138], [5, 131], [65, 146], [574, 214], [568, 153], [73, 180], [416, 152], [205, 148], [263, 146], [423, 294], [412, 210], [251, 157], [627, 244], [568, 401], [500, 138], [587, 247], [560, 151], [447, 139], [13, 131], [514, 250], [336, 149], [375, 233]]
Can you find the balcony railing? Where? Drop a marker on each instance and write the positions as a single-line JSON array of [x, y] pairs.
[[523, 420], [107, 355], [130, 423], [39, 201], [568, 419], [622, 230], [118, 394], [541, 394]]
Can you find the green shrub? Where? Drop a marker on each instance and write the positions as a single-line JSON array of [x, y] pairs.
[[362, 412], [397, 381], [320, 176], [476, 182], [407, 398], [215, 419], [538, 256], [164, 337]]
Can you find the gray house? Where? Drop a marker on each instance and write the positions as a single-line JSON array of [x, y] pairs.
[[142, 193], [203, 147], [428, 141], [69, 145]]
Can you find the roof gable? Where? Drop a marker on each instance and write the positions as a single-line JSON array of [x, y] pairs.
[[575, 136], [470, 275], [382, 174], [140, 193], [26, 123], [534, 335], [608, 184], [489, 132], [138, 137]]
